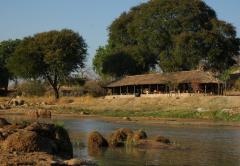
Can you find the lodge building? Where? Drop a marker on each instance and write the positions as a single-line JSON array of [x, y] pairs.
[[194, 81]]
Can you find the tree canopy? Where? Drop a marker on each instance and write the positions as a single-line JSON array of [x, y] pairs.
[[49, 55], [176, 35], [7, 48]]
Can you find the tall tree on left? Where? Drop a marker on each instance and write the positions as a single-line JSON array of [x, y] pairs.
[[49, 55], [7, 49]]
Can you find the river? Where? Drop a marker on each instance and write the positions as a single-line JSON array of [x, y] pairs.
[[201, 145]]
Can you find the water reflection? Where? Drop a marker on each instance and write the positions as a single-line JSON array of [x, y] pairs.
[[217, 145]]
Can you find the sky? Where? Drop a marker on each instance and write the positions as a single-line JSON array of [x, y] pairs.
[[90, 18]]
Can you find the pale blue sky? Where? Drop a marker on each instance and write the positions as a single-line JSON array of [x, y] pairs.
[[20, 18]]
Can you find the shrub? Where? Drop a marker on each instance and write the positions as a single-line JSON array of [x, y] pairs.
[[32, 88], [93, 88]]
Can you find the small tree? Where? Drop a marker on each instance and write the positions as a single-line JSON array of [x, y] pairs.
[[49, 55], [6, 50]]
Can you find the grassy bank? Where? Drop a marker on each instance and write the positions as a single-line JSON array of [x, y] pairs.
[[219, 108], [217, 115]]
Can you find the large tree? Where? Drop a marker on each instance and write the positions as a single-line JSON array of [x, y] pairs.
[[49, 55], [7, 48], [176, 35]]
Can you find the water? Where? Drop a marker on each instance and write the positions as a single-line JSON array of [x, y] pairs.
[[213, 146]]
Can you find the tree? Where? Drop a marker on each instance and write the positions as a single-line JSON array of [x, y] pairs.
[[49, 55], [6, 50], [176, 35], [118, 62]]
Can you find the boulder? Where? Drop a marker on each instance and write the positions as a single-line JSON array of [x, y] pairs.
[[40, 113], [45, 130], [127, 118], [43, 113], [96, 140], [119, 137], [163, 140], [17, 102], [140, 134], [28, 141], [64, 144], [136, 137], [3, 122], [37, 137]]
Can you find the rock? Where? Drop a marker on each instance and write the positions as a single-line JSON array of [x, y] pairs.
[[151, 144], [33, 114], [40, 113], [72, 162], [163, 140], [96, 140], [43, 113], [28, 141], [136, 137], [84, 113], [43, 103], [17, 102], [3, 122], [77, 162], [118, 137], [45, 130], [4, 107], [37, 137], [126, 131], [27, 159], [140, 134], [201, 109], [127, 118], [1, 137], [64, 144]]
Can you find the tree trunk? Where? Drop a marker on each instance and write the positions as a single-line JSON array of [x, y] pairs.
[[54, 84], [56, 92]]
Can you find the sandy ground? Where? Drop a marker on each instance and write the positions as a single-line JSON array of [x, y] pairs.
[[138, 103]]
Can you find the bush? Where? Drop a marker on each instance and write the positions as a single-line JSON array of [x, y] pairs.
[[32, 88], [93, 88]]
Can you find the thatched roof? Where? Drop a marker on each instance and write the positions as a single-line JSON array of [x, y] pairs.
[[197, 76]]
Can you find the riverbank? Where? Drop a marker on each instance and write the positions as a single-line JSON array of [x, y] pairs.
[[198, 108]]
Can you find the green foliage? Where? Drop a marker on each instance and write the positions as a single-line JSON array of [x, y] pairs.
[[6, 50], [118, 62], [102, 53], [32, 88], [49, 55], [177, 35]]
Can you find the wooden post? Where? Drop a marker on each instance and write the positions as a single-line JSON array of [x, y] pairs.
[[127, 89], [218, 90], [157, 87], [120, 90], [134, 89], [141, 89]]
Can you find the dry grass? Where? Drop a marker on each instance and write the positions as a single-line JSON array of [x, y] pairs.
[[207, 107]]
